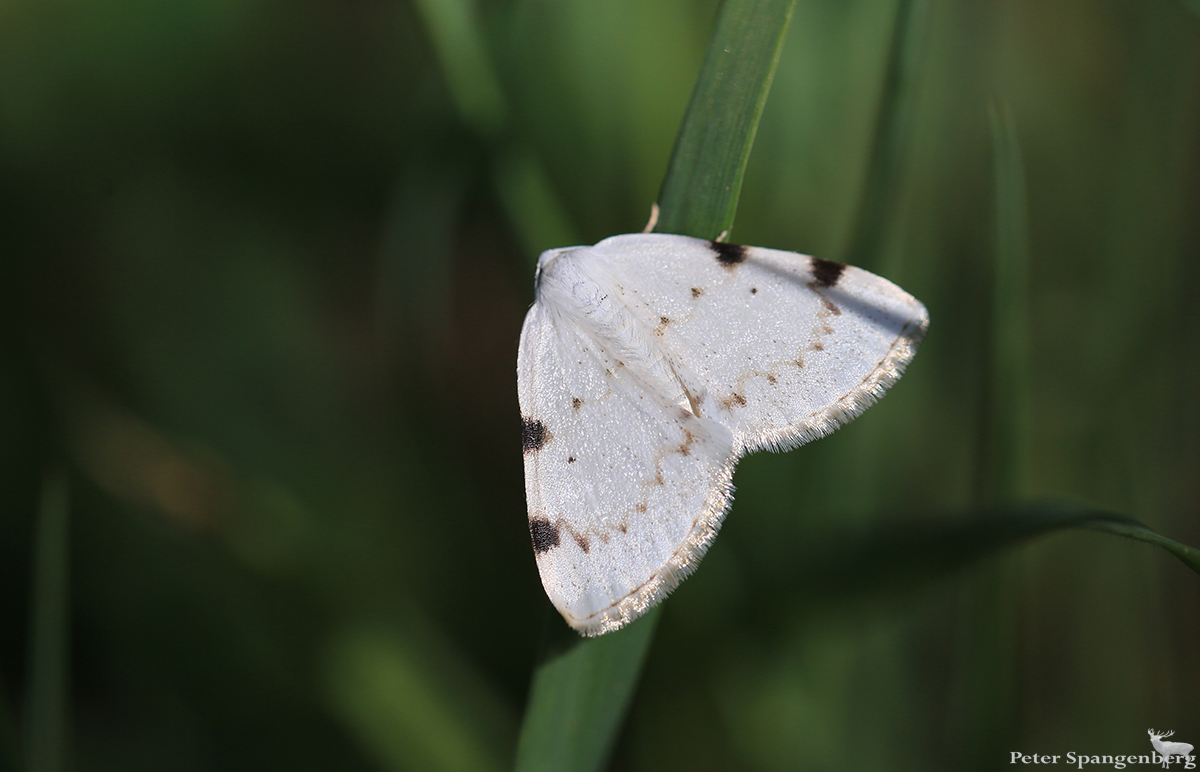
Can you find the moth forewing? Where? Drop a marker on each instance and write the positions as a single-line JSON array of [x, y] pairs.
[[648, 364]]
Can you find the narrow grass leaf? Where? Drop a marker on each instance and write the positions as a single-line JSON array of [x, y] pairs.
[[876, 220], [47, 703], [582, 687], [1005, 440], [704, 178], [535, 211], [895, 559], [409, 700], [453, 28], [985, 664], [1132, 529], [878, 205]]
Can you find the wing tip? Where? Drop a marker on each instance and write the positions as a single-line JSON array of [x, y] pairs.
[[680, 566], [853, 404]]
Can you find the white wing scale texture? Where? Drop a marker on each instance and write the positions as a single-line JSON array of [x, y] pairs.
[[648, 365]]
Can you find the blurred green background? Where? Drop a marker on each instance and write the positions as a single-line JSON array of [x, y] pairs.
[[264, 266]]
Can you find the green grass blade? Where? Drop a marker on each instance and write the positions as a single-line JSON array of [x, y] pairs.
[[453, 28], [582, 687], [986, 665], [879, 204], [520, 179], [581, 690], [895, 559], [411, 701], [878, 215], [1006, 438], [704, 178], [536, 213], [1131, 529], [47, 703]]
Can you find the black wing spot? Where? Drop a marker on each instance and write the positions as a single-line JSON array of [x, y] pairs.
[[729, 255], [570, 459], [534, 435], [697, 292], [826, 273], [754, 290], [544, 535]]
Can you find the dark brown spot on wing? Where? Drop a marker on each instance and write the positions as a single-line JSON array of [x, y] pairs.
[[697, 292], [570, 459], [582, 541], [754, 290], [831, 307], [576, 402], [729, 255], [534, 435], [543, 534], [685, 447], [733, 400], [826, 273]]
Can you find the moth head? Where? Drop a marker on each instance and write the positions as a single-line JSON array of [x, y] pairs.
[[548, 258]]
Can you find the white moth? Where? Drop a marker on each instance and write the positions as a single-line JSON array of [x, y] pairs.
[[649, 364]]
